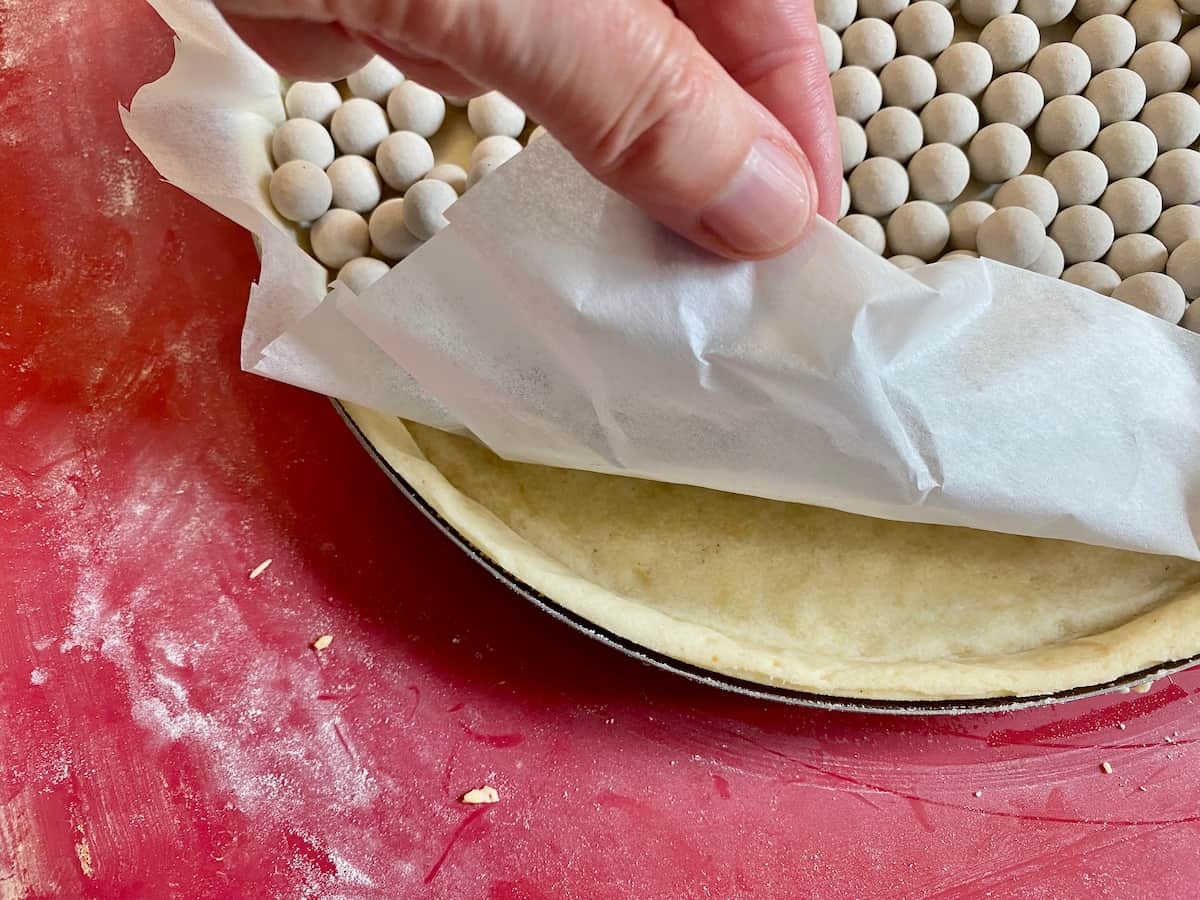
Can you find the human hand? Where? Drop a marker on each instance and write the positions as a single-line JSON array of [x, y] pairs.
[[714, 116]]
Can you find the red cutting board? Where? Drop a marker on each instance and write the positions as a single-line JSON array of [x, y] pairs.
[[168, 732]]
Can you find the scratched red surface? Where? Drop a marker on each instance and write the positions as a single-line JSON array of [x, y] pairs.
[[168, 732]]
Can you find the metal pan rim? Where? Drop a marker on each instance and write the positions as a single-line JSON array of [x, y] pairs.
[[755, 690]]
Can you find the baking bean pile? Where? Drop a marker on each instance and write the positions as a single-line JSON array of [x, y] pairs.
[[1058, 136], [355, 170]]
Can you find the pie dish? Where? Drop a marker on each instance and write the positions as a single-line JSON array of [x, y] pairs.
[[796, 602]]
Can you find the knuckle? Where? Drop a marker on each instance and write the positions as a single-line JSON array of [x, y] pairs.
[[645, 117]]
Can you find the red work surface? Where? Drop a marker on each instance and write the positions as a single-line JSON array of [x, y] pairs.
[[168, 731]]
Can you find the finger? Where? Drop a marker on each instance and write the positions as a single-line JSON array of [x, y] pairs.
[[430, 72], [772, 48], [325, 51], [630, 92], [303, 50]]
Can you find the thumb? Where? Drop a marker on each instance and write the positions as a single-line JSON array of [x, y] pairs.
[[629, 91]]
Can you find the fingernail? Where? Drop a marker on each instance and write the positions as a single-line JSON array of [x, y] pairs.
[[769, 204]]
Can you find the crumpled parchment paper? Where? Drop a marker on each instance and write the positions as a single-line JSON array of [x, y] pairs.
[[559, 325]]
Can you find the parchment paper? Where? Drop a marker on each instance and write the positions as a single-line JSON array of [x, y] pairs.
[[558, 325]]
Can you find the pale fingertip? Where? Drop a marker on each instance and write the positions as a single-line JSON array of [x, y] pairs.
[[429, 72], [303, 51]]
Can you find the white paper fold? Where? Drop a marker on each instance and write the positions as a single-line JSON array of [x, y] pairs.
[[559, 325], [206, 126]]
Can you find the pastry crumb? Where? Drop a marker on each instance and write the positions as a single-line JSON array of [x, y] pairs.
[[1121, 725], [322, 642], [1106, 767], [1142, 788], [83, 850], [979, 793], [260, 568], [1143, 687], [476, 796]]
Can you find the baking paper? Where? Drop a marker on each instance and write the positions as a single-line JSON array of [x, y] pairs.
[[557, 324]]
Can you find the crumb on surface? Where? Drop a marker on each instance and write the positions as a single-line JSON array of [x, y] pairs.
[[1143, 687], [979, 793], [1121, 725], [260, 568], [1106, 767], [476, 796], [322, 642], [83, 851]]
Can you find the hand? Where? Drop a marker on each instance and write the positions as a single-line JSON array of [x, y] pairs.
[[715, 116]]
